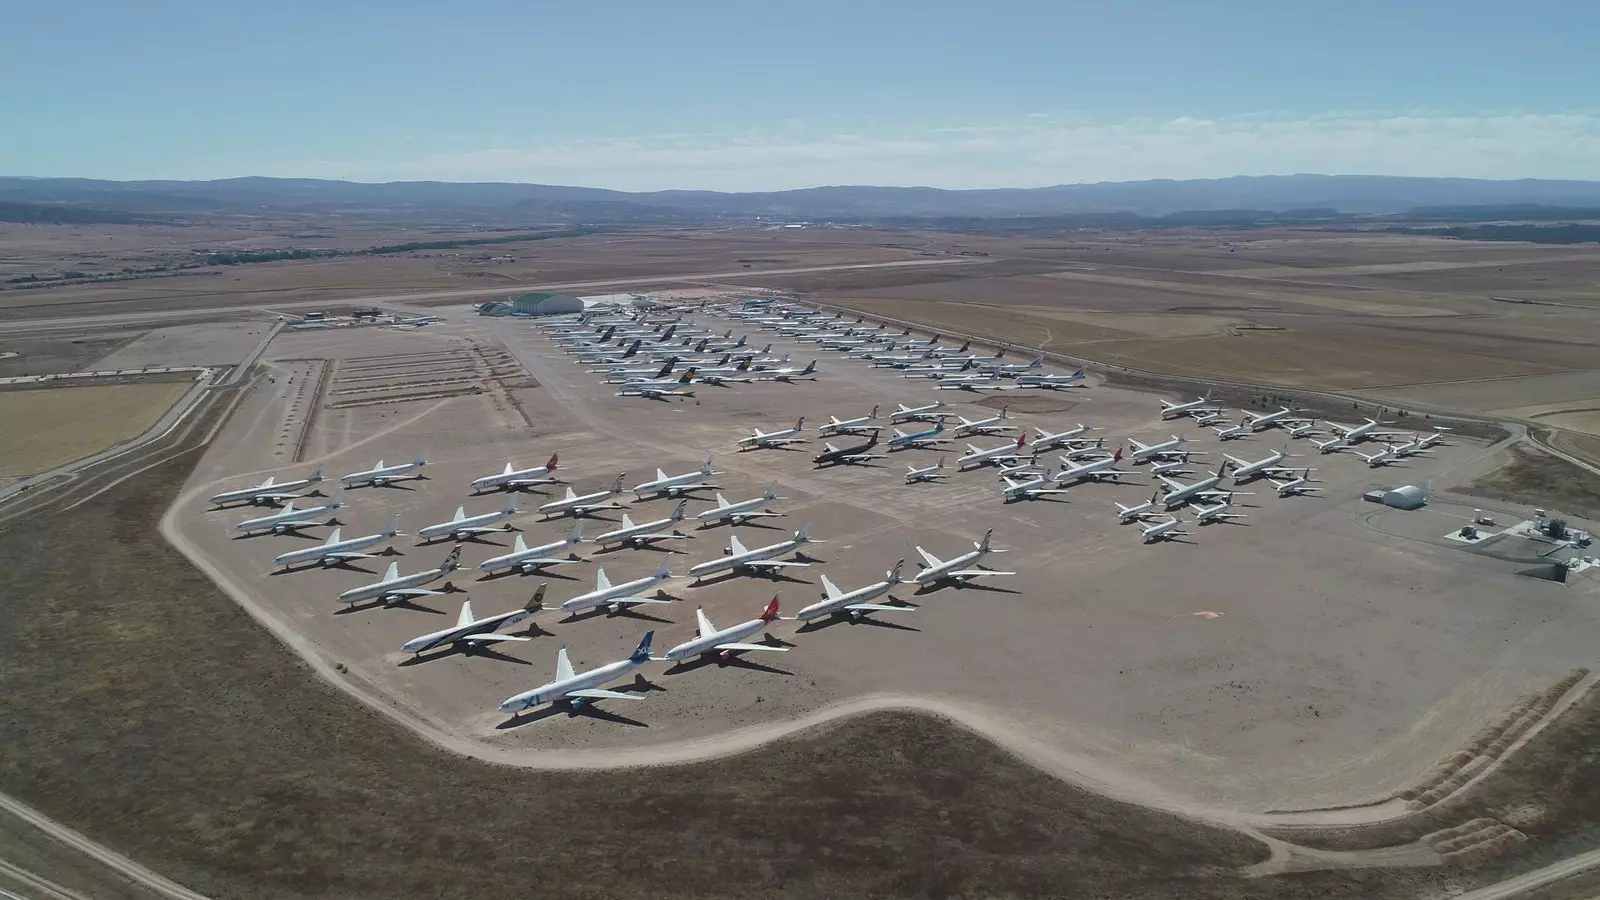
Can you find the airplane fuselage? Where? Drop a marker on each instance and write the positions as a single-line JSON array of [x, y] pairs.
[[557, 690]]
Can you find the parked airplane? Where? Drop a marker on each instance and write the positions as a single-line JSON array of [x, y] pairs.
[[269, 491], [781, 438], [1205, 515], [919, 440], [1412, 447], [1046, 441], [586, 504], [395, 588], [741, 512], [1244, 471], [1280, 418], [859, 425], [1170, 410], [289, 518], [856, 604], [527, 559], [1433, 437], [972, 383], [1305, 430], [381, 474], [1382, 458], [726, 641], [1180, 493], [655, 390], [1331, 445], [928, 413], [665, 485], [337, 549], [1294, 487], [915, 475], [1238, 431], [516, 479], [833, 456], [1013, 369], [462, 526], [1355, 434], [1038, 486], [762, 559], [1164, 531], [1143, 511], [1093, 470], [645, 533], [470, 633], [959, 569], [579, 690], [1178, 465], [1142, 452], [1075, 380], [613, 597], [977, 456], [789, 373]]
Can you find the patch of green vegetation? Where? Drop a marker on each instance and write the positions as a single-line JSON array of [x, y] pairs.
[[1534, 234], [259, 256]]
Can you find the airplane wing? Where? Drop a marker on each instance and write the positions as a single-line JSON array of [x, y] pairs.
[[275, 495], [415, 592], [774, 564], [974, 573], [636, 600], [741, 517], [549, 561], [488, 638], [348, 554], [662, 537], [528, 482], [877, 607], [597, 694], [751, 647], [930, 561], [1040, 491]]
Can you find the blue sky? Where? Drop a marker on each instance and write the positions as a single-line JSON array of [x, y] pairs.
[[754, 96]]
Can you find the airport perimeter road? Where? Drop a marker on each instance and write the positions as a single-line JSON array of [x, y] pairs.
[[104, 320], [105, 856], [1538, 878]]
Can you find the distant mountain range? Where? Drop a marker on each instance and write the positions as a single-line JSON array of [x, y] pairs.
[[1292, 196]]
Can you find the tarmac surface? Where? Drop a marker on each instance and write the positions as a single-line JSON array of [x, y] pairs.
[[1323, 651]]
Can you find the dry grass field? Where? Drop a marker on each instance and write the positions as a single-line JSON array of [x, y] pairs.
[[48, 427]]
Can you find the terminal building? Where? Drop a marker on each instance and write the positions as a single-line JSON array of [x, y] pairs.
[[534, 303]]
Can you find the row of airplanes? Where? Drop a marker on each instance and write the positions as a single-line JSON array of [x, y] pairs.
[[568, 687]]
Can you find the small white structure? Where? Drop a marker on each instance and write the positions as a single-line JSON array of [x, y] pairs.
[[1407, 497]]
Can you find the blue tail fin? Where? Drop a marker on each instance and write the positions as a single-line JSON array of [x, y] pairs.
[[642, 652]]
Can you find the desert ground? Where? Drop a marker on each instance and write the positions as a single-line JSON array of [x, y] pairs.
[[56, 425], [1324, 651]]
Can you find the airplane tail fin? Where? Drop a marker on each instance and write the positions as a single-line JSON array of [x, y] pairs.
[[421, 460], [641, 653], [800, 424], [573, 536], [555, 460], [511, 505], [983, 545], [337, 499], [769, 494], [520, 545], [451, 561], [771, 612], [893, 575], [316, 474], [536, 602], [677, 511], [616, 486], [705, 467], [810, 368], [394, 526], [666, 569], [804, 534]]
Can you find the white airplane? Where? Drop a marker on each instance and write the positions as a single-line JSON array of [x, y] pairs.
[[1303, 430], [527, 559], [1075, 380], [1093, 470], [934, 472], [463, 526], [960, 569], [1170, 410], [1139, 513], [381, 474], [1282, 417], [741, 512], [860, 453], [675, 485], [1164, 531], [835, 425], [788, 373], [973, 383], [977, 456], [1382, 458], [1412, 447], [1433, 437], [655, 390], [920, 440], [762, 559], [586, 504], [289, 518], [1178, 465], [395, 588], [269, 491], [1234, 433], [1205, 515], [781, 438], [579, 690], [928, 413], [1181, 493], [855, 604], [613, 597], [724, 642], [1244, 470], [1044, 440], [1142, 452], [1294, 487], [415, 321], [644, 533], [1355, 434], [1331, 445], [516, 479], [1013, 369], [1038, 486], [337, 549], [469, 633]]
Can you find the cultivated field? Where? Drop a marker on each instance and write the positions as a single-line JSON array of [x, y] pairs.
[[48, 427]]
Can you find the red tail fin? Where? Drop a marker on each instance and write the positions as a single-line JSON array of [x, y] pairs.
[[1021, 439], [771, 611], [552, 463], [1117, 457]]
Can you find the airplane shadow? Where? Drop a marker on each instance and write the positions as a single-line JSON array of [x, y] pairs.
[[602, 612], [820, 624], [572, 712], [345, 566], [457, 650], [293, 534], [349, 608], [963, 586], [724, 577], [389, 486], [518, 573]]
